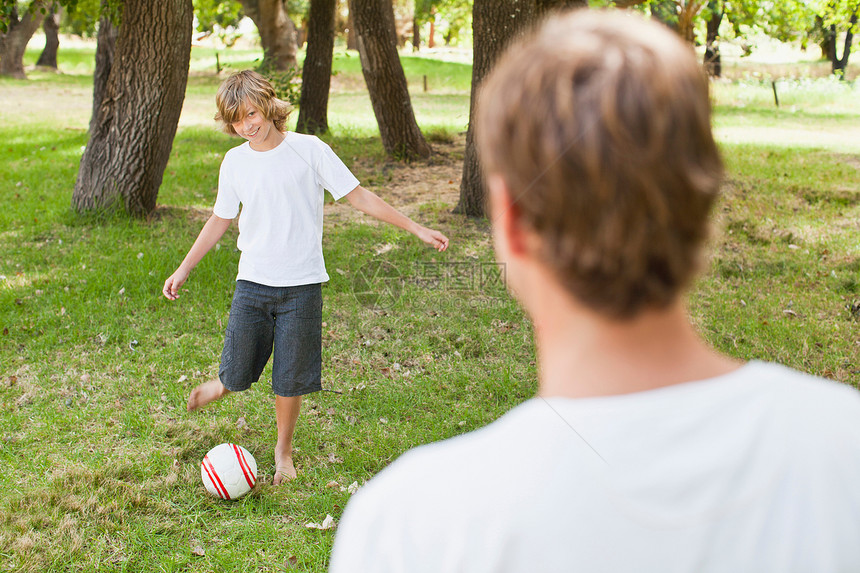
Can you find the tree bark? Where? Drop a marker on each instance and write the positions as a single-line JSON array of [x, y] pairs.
[[131, 138], [495, 24], [15, 40], [545, 6], [316, 73], [105, 52], [51, 25], [416, 35], [712, 60], [386, 82], [277, 33], [351, 41]]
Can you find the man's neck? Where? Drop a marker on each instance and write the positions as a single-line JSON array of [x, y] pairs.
[[582, 354]]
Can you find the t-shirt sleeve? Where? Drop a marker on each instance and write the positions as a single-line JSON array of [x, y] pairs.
[[227, 201], [332, 174]]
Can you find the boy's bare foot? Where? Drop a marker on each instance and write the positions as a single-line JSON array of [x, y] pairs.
[[205, 393], [284, 471]]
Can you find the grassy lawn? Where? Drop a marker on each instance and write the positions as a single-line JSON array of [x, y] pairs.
[[101, 461]]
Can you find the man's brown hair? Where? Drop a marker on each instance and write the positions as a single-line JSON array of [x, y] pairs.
[[600, 125], [245, 87]]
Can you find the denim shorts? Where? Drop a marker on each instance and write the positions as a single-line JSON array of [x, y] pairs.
[[286, 319]]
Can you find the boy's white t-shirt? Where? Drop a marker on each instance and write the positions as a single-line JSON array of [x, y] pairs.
[[281, 192], [755, 471]]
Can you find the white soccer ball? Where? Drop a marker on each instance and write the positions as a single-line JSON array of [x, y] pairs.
[[228, 471]]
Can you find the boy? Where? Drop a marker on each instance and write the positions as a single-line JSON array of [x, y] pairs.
[[644, 450], [279, 178]]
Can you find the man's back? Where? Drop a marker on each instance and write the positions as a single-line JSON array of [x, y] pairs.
[[747, 472]]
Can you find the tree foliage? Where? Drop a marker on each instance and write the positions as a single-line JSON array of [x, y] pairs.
[[456, 15], [219, 18]]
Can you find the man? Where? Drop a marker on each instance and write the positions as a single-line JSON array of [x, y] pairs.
[[644, 449]]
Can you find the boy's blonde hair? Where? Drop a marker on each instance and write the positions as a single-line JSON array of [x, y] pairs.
[[246, 87], [600, 126]]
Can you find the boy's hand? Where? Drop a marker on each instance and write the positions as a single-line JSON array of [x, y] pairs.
[[173, 283], [433, 238]]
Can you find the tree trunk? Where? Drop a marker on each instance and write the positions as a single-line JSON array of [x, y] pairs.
[[131, 139], [713, 60], [545, 6], [51, 25], [416, 35], [105, 52], [839, 65], [495, 24], [386, 82], [277, 33], [15, 40], [688, 10], [316, 74], [351, 41]]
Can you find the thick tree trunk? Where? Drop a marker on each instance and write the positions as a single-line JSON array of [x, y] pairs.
[[495, 23], [713, 61], [51, 25], [277, 33], [131, 139], [316, 74], [16, 38], [105, 52], [545, 6], [386, 82], [839, 65]]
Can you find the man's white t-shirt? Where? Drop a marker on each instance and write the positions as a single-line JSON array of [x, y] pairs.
[[756, 471], [281, 192]]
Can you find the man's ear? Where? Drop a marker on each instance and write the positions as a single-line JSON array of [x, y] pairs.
[[505, 215]]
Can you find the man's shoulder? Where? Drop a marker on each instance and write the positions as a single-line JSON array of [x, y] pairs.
[[470, 458], [801, 391]]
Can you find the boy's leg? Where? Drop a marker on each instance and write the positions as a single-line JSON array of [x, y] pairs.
[[287, 413], [205, 393], [247, 345], [297, 368]]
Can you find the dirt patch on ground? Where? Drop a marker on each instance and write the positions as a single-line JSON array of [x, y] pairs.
[[408, 186]]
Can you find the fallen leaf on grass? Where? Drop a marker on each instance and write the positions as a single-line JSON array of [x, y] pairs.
[[334, 459], [353, 487], [198, 551], [327, 523]]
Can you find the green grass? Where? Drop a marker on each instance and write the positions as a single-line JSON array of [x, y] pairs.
[[101, 462]]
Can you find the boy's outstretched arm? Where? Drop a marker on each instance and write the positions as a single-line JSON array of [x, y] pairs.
[[370, 203], [212, 231]]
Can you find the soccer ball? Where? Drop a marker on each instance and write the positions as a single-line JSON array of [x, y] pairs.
[[228, 471]]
